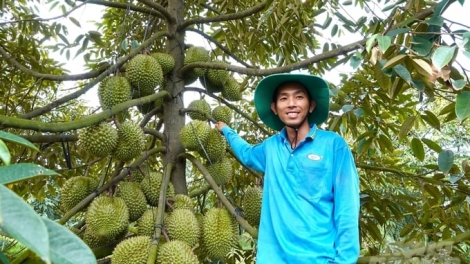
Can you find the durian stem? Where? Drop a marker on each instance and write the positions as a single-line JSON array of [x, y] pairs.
[[199, 191], [251, 230], [160, 212]]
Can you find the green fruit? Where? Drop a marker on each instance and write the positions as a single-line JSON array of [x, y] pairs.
[[182, 225], [144, 73], [231, 90], [98, 140], [75, 189], [222, 113], [196, 54], [133, 250], [114, 90], [217, 76], [146, 223], [131, 141], [221, 171], [183, 202], [194, 133], [167, 62], [133, 197], [176, 252], [210, 87], [202, 106], [107, 218], [151, 186], [252, 205], [220, 232], [214, 146], [136, 175]]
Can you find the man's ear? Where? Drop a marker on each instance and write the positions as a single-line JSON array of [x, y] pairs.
[[273, 108], [312, 106]]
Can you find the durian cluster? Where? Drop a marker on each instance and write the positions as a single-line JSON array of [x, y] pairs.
[[124, 143]]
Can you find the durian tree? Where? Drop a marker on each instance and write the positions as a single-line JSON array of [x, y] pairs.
[[144, 174]]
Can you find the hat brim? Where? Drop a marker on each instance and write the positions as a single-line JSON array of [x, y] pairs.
[[316, 86]]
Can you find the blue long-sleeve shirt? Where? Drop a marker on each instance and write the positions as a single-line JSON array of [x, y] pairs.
[[310, 208]]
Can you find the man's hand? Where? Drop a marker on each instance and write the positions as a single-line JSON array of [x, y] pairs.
[[219, 125]]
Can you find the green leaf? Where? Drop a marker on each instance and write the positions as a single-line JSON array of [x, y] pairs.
[[19, 221], [327, 22], [431, 119], [17, 140], [442, 56], [445, 160], [435, 20], [75, 21], [421, 45], [406, 127], [355, 61], [418, 84], [462, 105], [334, 30], [432, 145], [4, 259], [403, 73], [65, 246], [5, 155], [23, 171], [458, 84], [384, 42], [417, 148], [433, 191], [347, 2], [370, 42], [394, 61], [386, 142], [397, 31]]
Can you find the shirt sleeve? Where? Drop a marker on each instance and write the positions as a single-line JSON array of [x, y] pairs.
[[252, 156], [346, 206]]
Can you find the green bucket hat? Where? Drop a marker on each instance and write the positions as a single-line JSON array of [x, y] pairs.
[[316, 87]]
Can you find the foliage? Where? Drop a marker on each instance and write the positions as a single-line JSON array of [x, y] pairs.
[[403, 109]]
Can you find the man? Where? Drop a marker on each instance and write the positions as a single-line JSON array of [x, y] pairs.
[[310, 209]]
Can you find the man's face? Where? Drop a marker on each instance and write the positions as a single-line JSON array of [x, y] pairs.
[[292, 104]]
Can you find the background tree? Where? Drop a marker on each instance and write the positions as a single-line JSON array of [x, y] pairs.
[[403, 110]]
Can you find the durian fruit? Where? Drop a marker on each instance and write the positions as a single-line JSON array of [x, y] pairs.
[[210, 87], [75, 189], [107, 218], [176, 252], [133, 197], [131, 141], [182, 225], [98, 140], [146, 223], [133, 250], [194, 133], [221, 171], [252, 204], [214, 146], [136, 175], [222, 113], [183, 202], [144, 73], [114, 90], [196, 54], [201, 105], [231, 90], [151, 186], [90, 238], [220, 232], [167, 62], [218, 76]]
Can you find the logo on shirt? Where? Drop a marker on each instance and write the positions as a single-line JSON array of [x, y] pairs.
[[314, 157]]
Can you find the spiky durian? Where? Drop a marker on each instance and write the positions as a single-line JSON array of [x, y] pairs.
[[75, 189], [144, 73], [252, 204], [151, 186], [146, 223], [210, 87], [220, 232], [139, 174], [98, 140], [107, 218], [218, 76], [167, 62], [221, 171], [133, 197], [222, 113], [114, 90], [182, 225], [194, 133], [183, 202], [214, 146], [131, 141], [133, 250], [196, 54], [231, 90], [202, 106], [176, 252]]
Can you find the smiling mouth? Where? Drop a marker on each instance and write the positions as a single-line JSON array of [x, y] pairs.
[[292, 114]]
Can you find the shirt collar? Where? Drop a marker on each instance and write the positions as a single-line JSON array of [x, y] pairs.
[[311, 134]]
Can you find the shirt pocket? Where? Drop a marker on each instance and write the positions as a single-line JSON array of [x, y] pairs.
[[312, 182]]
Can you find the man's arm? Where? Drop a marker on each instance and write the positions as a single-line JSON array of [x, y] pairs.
[[346, 206]]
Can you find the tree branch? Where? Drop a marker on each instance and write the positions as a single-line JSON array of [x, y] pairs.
[[14, 122], [49, 138], [227, 51], [123, 5], [160, 9], [225, 17]]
